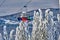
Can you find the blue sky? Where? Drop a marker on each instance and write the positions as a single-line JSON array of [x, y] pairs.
[[12, 6]]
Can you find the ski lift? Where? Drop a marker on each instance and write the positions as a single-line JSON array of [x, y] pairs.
[[24, 19]]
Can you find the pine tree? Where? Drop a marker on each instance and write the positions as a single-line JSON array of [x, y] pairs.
[[39, 31], [20, 32], [11, 35], [1, 37], [5, 34]]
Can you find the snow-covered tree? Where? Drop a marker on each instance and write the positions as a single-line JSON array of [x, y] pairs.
[[59, 37], [39, 31], [11, 35], [35, 23], [42, 27], [1, 37], [58, 17], [20, 31], [50, 25], [5, 34], [17, 34]]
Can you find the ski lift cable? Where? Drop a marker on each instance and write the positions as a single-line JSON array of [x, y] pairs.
[[20, 8], [25, 5], [2, 3], [28, 3]]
